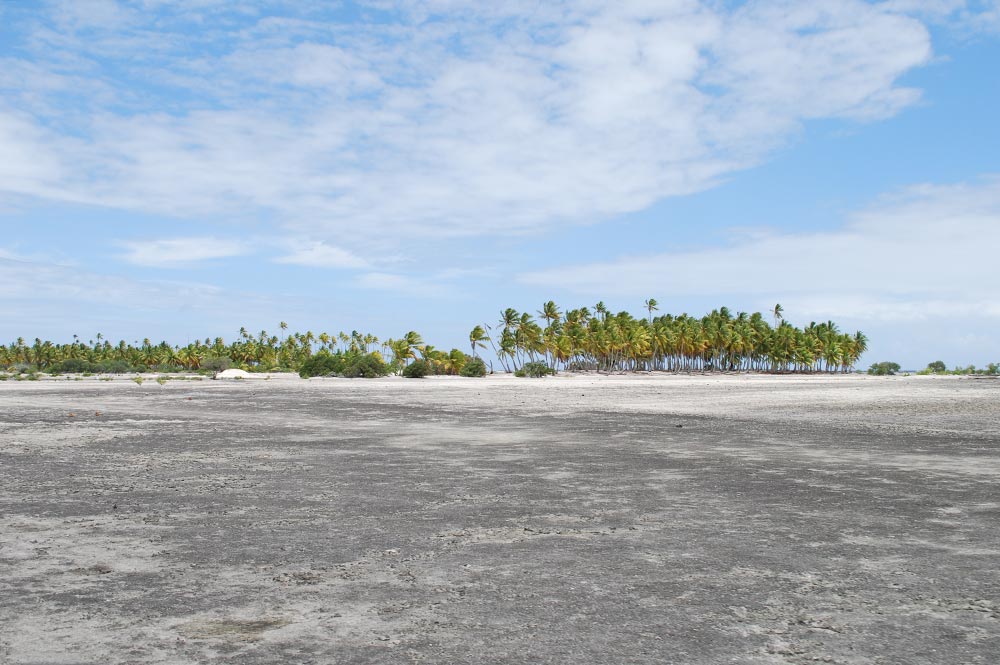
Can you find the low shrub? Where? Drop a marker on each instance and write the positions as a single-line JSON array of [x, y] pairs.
[[884, 369], [114, 367], [369, 366], [71, 366], [217, 363], [534, 370], [323, 363], [473, 367], [418, 369], [86, 367]]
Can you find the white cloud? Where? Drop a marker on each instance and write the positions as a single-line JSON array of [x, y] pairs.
[[926, 252], [434, 286], [987, 19], [968, 18], [41, 282], [41, 297], [321, 255], [180, 252], [490, 118]]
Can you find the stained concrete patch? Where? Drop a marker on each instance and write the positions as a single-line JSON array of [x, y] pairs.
[[243, 630]]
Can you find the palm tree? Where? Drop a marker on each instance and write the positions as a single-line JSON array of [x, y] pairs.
[[651, 306], [601, 310], [574, 339], [476, 337], [550, 312]]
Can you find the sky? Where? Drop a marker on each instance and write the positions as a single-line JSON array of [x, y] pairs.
[[181, 169]]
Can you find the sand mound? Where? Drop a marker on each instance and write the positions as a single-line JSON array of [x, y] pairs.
[[233, 374]]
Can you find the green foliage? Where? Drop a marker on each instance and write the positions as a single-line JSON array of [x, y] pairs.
[[992, 369], [114, 367], [585, 338], [85, 367], [534, 370], [70, 366], [884, 369], [418, 369], [138, 380], [323, 363], [369, 366], [601, 340], [348, 365], [217, 363], [474, 367]]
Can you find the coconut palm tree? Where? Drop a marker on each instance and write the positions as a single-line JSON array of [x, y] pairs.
[[476, 338]]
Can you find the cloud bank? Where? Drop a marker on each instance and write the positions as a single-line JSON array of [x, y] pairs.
[[424, 119], [926, 252]]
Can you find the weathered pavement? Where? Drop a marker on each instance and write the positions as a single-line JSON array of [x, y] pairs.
[[352, 522]]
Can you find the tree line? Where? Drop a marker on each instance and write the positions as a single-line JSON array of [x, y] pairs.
[[576, 339], [585, 339]]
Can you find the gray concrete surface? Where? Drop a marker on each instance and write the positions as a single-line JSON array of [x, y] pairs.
[[657, 520]]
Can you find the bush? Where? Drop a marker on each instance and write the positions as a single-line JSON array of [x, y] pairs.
[[418, 369], [884, 369], [369, 366], [323, 363], [71, 366], [80, 366], [115, 367], [534, 370], [217, 363], [473, 367], [937, 366]]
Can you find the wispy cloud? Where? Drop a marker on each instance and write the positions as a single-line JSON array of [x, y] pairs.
[[180, 252], [438, 118], [419, 286], [40, 296], [926, 251], [319, 254], [43, 282]]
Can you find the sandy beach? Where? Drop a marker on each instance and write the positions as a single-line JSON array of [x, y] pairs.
[[574, 519]]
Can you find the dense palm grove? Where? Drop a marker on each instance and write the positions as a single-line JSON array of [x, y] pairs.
[[577, 339], [325, 353], [599, 340]]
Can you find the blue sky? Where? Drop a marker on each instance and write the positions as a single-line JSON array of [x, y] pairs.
[[181, 169]]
